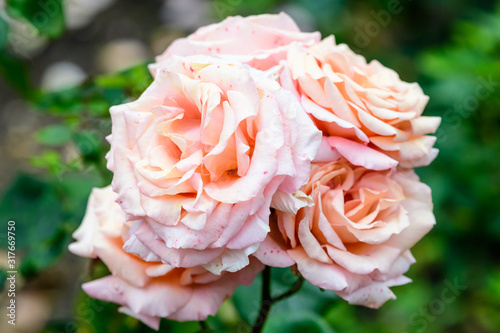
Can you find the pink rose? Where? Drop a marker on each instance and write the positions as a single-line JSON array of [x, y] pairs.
[[198, 157], [148, 291], [365, 102], [350, 228], [260, 41]]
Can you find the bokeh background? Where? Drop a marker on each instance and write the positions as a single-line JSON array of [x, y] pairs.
[[64, 63]]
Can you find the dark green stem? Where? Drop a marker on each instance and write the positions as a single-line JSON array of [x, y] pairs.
[[293, 289], [203, 325], [268, 301]]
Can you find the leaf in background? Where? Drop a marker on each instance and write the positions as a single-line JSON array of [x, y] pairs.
[[247, 300], [89, 144], [132, 82], [65, 102], [14, 71], [297, 322], [206, 330], [91, 315], [46, 213], [77, 188], [3, 278], [97, 96], [34, 206], [54, 135], [46, 16], [51, 161], [309, 298], [44, 252], [4, 30], [224, 8]]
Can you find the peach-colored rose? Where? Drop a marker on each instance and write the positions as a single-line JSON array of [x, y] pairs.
[[148, 291], [260, 41], [198, 157], [351, 228], [365, 102]]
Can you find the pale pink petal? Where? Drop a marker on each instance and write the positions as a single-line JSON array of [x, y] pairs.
[[326, 276], [102, 214], [120, 263], [207, 299], [310, 244], [174, 257], [160, 298], [304, 140], [153, 322], [273, 252], [231, 260], [290, 203], [260, 40], [361, 155], [326, 152], [425, 125]]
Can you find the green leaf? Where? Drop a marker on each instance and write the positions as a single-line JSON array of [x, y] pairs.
[[247, 301], [77, 188], [309, 298], [34, 206], [4, 30], [224, 8], [45, 253], [206, 330], [15, 72], [45, 15], [131, 82], [3, 278], [98, 95], [46, 213], [54, 135], [297, 322], [50, 160], [89, 143]]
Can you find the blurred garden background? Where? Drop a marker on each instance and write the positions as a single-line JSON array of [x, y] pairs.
[[64, 63]]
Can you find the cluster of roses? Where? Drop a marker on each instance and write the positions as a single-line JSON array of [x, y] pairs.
[[258, 144]]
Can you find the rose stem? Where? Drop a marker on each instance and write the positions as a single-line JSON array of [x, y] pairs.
[[293, 289], [203, 325], [267, 300]]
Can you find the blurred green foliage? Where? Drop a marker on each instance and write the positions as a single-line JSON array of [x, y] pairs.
[[46, 16], [452, 48]]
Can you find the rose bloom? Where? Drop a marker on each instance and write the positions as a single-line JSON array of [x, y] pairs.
[[198, 157], [351, 228], [148, 291], [260, 41], [365, 102]]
